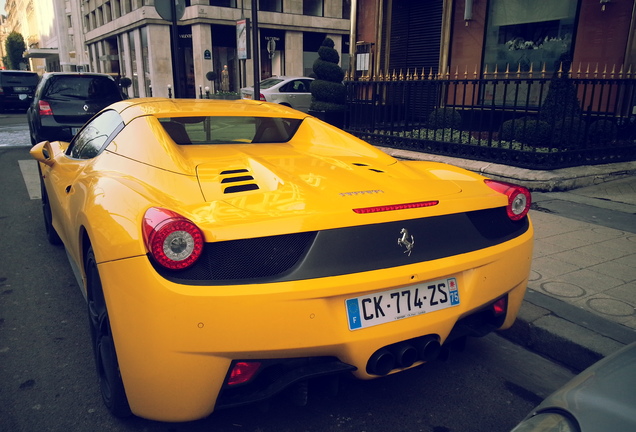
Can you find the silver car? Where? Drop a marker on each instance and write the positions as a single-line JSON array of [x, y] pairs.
[[600, 399], [290, 91]]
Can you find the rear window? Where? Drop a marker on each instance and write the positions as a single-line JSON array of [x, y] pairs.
[[83, 87], [269, 83], [230, 130], [19, 79]]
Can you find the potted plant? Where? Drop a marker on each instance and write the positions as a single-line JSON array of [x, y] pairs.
[[329, 94]]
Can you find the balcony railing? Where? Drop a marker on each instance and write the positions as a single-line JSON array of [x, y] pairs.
[[521, 118]]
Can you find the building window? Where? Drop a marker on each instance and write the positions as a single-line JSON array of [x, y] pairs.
[[147, 83], [133, 63], [270, 5], [108, 17], [313, 7], [116, 9], [126, 7], [521, 33], [223, 3], [346, 9]]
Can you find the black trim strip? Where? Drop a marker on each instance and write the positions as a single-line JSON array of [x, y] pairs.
[[347, 250]]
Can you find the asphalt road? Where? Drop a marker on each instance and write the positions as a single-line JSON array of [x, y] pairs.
[[48, 380]]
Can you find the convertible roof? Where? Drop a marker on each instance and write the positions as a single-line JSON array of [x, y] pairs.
[[164, 107]]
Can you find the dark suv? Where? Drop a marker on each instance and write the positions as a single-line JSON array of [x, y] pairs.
[[64, 101], [16, 89]]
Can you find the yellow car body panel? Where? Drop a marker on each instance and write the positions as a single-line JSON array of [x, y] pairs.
[[186, 330], [176, 341]]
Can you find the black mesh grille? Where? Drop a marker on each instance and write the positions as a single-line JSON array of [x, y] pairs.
[[255, 258], [347, 250]]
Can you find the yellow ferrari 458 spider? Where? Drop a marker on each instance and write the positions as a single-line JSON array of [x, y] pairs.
[[228, 250]]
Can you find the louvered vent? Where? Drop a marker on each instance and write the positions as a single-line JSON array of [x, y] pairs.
[[239, 180], [365, 165]]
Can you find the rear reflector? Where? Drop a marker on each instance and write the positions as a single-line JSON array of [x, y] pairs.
[[500, 306], [242, 372], [392, 207]]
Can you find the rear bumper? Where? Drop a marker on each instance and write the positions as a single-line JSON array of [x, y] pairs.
[[176, 343]]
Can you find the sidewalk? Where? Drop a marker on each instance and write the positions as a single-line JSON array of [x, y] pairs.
[[581, 299]]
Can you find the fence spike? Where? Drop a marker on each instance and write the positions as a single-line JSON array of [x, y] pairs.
[[518, 69], [476, 73], [543, 71], [629, 71], [613, 73]]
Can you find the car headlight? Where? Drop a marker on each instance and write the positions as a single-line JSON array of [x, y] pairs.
[[547, 422]]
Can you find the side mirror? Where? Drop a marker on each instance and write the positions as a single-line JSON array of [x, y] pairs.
[[43, 152]]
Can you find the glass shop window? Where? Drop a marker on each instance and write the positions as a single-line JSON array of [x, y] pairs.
[[529, 32]]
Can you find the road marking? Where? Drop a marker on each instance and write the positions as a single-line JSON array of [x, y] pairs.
[[31, 177]]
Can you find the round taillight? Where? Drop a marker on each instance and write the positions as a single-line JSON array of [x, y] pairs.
[[519, 198], [173, 241]]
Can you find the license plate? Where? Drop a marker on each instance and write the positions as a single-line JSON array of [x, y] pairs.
[[74, 131], [247, 96], [379, 308], [20, 89]]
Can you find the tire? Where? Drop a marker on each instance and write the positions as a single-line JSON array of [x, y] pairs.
[[51, 234], [110, 382]]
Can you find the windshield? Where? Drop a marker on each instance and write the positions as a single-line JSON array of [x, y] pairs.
[[83, 87], [229, 130], [19, 78]]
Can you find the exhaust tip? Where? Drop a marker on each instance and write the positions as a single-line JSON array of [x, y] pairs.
[[406, 355], [381, 362], [429, 349]]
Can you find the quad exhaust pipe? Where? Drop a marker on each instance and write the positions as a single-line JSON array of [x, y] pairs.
[[403, 354]]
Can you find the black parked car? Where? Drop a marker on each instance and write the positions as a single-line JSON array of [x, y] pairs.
[[65, 101], [16, 89]]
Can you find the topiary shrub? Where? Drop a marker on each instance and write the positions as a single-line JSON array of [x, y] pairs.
[[561, 101], [445, 118], [527, 130], [602, 131], [568, 133], [328, 92]]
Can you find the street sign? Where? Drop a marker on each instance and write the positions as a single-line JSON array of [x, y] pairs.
[[164, 9]]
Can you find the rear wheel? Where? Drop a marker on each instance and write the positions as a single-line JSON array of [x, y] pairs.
[[51, 234], [110, 382]]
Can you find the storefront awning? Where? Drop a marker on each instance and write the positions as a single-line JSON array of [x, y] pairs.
[[41, 52]]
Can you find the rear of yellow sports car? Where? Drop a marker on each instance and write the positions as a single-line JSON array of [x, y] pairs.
[[233, 271]]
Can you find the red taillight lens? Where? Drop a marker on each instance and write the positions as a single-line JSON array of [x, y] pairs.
[[173, 241], [519, 198], [242, 372], [263, 97], [44, 108]]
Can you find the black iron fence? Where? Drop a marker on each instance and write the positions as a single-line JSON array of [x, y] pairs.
[[525, 119]]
